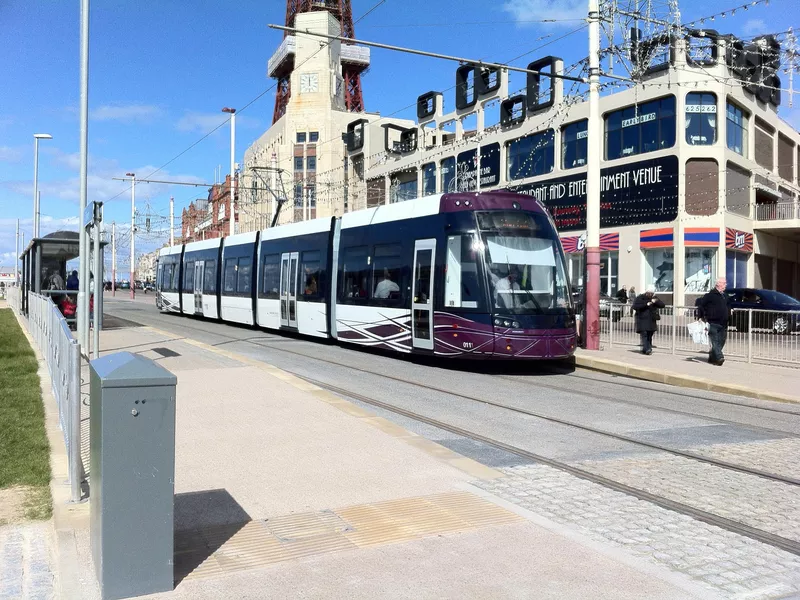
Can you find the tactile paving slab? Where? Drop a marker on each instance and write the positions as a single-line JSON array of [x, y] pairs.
[[228, 548]]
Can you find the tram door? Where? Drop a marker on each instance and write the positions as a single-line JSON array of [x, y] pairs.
[[199, 268], [288, 290], [422, 294]]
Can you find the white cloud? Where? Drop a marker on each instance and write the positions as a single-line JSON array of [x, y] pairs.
[[200, 122], [126, 113], [9, 154], [755, 27], [526, 11]]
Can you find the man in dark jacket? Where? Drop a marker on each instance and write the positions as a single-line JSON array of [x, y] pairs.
[[713, 309], [646, 308], [622, 295]]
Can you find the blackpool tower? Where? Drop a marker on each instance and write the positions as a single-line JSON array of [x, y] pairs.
[[353, 60]]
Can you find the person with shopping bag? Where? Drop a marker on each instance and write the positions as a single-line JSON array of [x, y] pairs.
[[646, 308], [713, 309]]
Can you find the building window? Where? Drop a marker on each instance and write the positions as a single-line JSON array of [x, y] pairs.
[[311, 194], [313, 136], [429, 179], [641, 128], [298, 163], [659, 268], [736, 129], [448, 172], [701, 119], [531, 155], [609, 271], [574, 143], [311, 163], [298, 195], [785, 157], [736, 269], [358, 167], [702, 186], [764, 144], [403, 190], [701, 270], [301, 137]]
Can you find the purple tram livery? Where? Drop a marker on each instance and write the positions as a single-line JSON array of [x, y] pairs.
[[467, 275]]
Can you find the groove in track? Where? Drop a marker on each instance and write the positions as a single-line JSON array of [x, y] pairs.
[[736, 527], [683, 453]]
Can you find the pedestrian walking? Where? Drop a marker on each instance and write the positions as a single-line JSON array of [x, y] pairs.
[[622, 295], [713, 309], [632, 298], [646, 308]]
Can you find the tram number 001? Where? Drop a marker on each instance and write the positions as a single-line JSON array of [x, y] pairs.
[[466, 345]]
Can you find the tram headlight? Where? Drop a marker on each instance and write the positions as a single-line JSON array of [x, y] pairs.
[[498, 322], [515, 325], [506, 323]]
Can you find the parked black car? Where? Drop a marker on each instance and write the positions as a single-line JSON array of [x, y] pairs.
[[606, 302], [784, 319]]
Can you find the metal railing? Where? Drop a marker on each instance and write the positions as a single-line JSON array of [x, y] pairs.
[[62, 354], [778, 211], [766, 336]]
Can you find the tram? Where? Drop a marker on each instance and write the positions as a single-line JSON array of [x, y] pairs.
[[472, 275]]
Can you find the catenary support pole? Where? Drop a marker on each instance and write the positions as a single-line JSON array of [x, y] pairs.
[[171, 221], [83, 297], [133, 237], [593, 185], [233, 169], [113, 258]]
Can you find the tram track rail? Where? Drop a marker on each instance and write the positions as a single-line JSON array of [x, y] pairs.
[[557, 420], [731, 525]]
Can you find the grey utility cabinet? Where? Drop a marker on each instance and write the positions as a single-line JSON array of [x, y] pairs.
[[132, 474]]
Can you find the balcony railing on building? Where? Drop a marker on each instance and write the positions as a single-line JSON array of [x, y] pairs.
[[777, 211]]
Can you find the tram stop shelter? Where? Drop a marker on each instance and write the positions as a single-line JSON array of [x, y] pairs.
[[44, 267]]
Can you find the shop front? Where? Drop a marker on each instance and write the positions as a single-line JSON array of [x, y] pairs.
[[574, 247], [738, 249]]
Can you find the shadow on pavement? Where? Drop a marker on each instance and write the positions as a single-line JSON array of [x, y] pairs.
[[204, 522]]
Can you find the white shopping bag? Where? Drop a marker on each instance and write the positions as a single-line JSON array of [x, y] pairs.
[[699, 332]]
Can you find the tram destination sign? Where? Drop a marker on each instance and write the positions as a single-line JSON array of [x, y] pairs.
[[632, 194]]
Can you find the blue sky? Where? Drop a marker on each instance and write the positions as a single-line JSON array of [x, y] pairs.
[[161, 71]]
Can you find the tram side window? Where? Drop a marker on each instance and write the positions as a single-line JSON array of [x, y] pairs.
[[271, 279], [355, 274], [166, 277], [462, 287], [188, 277], [176, 277], [310, 269], [245, 268], [230, 275], [210, 277], [387, 273], [160, 277]]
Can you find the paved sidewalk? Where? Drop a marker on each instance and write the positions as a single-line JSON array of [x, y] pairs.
[[285, 490], [758, 381]]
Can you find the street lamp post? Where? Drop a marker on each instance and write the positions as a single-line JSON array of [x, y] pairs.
[[36, 138], [133, 233], [232, 113]]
